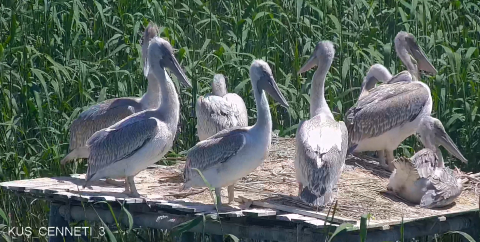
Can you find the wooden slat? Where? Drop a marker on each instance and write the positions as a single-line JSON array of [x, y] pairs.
[[293, 217], [308, 213], [318, 223], [259, 212]]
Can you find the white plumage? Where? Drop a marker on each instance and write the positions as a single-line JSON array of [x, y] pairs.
[[219, 110], [423, 179], [321, 142]]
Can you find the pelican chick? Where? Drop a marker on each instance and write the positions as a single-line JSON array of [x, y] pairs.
[[391, 112], [108, 112], [132, 144], [424, 179], [321, 142], [233, 153], [219, 110]]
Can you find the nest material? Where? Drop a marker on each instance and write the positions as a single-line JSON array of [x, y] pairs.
[[361, 189]]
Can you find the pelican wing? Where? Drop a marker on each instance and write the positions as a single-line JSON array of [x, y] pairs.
[[406, 171], [401, 77], [119, 141], [100, 116], [321, 151], [387, 107], [236, 100], [215, 114], [444, 190], [215, 150], [425, 162]]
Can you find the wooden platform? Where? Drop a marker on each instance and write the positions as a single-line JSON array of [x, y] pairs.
[[266, 195]]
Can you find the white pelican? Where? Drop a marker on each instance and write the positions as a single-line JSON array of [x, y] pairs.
[[108, 112], [424, 179], [132, 144], [391, 112], [219, 110], [233, 153], [321, 142]]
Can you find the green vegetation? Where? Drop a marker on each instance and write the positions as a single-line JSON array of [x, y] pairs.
[[59, 57]]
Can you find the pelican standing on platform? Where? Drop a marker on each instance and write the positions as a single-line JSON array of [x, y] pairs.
[[131, 145], [233, 153], [424, 179], [219, 110], [321, 142], [110, 111], [390, 113]]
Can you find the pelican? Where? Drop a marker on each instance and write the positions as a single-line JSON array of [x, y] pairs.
[[321, 142], [132, 144], [424, 179], [391, 112], [220, 110], [110, 111], [233, 153]]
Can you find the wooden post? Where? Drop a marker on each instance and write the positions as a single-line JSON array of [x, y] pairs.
[[187, 237], [57, 221]]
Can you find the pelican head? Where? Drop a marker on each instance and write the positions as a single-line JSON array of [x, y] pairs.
[[376, 73], [322, 56], [151, 31], [219, 88], [432, 134], [406, 47], [262, 79], [160, 51]]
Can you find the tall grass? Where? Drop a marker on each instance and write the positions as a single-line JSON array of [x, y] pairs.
[[59, 57]]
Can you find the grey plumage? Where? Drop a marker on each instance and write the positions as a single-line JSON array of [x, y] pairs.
[[100, 116], [219, 110], [132, 144], [392, 106], [111, 145], [214, 151], [321, 169], [440, 184], [108, 112], [423, 179]]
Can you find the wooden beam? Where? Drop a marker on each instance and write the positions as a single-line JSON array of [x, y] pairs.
[[56, 220], [308, 213]]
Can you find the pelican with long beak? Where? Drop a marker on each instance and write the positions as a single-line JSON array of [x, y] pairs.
[[390, 113], [321, 142], [424, 179], [233, 153], [132, 144]]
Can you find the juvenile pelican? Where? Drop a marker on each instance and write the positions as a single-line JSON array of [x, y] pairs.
[[321, 142], [233, 153], [132, 144], [219, 110], [388, 114], [110, 111], [424, 179]]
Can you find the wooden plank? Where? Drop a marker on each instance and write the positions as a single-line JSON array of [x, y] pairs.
[[293, 217], [308, 213], [318, 223], [259, 212]]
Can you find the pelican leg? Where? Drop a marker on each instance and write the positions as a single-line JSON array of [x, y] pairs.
[[390, 158], [381, 158], [230, 193], [133, 190], [300, 188], [218, 194]]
